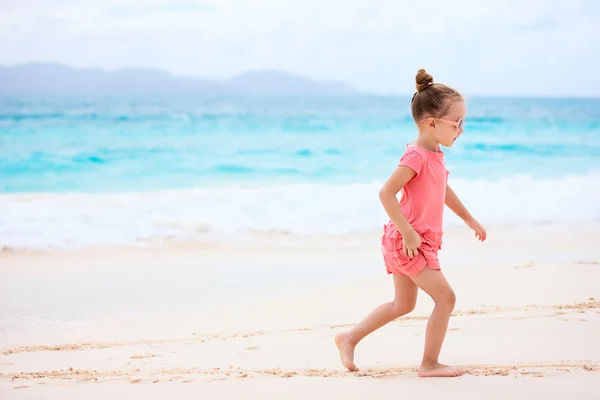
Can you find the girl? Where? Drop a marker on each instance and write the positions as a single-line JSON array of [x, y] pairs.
[[413, 236]]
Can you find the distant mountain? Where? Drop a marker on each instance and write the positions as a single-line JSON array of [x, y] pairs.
[[46, 78], [275, 82]]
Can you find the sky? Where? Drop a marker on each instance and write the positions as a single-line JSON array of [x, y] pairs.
[[506, 47]]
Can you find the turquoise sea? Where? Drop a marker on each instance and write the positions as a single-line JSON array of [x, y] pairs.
[[80, 171]]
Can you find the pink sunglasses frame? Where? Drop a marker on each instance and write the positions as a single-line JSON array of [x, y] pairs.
[[460, 124]]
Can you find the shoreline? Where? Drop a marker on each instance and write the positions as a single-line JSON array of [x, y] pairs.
[[283, 240]]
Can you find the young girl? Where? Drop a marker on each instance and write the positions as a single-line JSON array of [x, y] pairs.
[[413, 236]]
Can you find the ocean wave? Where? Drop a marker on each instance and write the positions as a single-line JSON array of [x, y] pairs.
[[75, 220], [548, 149]]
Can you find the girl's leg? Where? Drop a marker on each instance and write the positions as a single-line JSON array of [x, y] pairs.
[[405, 298], [434, 283]]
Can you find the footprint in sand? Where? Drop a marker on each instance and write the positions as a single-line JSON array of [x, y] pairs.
[[532, 373], [140, 356]]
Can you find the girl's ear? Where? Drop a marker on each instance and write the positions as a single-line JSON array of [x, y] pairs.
[[430, 123]]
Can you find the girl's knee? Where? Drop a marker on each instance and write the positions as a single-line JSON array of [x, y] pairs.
[[403, 307], [446, 299]]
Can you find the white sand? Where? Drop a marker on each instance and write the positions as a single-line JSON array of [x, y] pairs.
[[255, 321]]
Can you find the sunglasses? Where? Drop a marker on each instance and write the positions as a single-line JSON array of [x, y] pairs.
[[460, 124]]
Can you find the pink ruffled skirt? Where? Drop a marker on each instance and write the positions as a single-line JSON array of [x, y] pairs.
[[398, 264]]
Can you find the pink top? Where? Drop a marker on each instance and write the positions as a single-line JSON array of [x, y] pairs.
[[424, 196]]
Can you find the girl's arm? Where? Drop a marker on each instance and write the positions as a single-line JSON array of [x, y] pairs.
[[400, 177], [454, 203]]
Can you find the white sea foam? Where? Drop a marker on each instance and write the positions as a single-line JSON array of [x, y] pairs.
[[225, 213]]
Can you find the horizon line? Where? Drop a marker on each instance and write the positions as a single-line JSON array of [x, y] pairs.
[[357, 91]]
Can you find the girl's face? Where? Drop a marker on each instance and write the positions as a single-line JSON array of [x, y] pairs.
[[449, 127]]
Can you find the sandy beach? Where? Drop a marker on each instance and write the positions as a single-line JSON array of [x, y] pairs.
[[193, 196], [257, 320]]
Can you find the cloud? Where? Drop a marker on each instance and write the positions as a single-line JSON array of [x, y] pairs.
[[505, 47], [171, 7]]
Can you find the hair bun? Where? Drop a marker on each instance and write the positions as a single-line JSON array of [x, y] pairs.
[[423, 80]]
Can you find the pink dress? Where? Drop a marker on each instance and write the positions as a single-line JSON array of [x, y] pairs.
[[422, 203]]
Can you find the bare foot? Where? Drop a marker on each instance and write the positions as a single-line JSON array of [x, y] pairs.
[[439, 370], [346, 348]]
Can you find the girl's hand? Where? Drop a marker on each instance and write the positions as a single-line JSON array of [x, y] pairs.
[[480, 232], [410, 243]]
